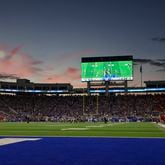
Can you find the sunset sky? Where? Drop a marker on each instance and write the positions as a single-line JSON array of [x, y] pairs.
[[44, 40]]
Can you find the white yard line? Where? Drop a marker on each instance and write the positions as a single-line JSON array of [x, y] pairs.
[[74, 129], [89, 126], [94, 126], [162, 125], [5, 141]]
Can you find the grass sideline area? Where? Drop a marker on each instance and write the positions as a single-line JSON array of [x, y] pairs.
[[132, 129]]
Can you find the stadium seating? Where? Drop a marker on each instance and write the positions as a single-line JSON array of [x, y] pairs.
[[82, 108]]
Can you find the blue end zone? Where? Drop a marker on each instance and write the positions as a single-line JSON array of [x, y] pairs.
[[84, 151]]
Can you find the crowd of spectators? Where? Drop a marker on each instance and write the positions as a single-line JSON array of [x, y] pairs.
[[81, 108]]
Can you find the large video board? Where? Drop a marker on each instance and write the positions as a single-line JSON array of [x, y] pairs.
[[107, 68]]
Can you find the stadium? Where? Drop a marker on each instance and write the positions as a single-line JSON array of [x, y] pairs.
[[107, 122]]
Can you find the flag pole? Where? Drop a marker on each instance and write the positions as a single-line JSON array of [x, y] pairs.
[[141, 73], [83, 102]]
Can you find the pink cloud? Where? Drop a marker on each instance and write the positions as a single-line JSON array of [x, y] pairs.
[[73, 73], [56, 78], [61, 78], [15, 50], [70, 75], [15, 63], [18, 63]]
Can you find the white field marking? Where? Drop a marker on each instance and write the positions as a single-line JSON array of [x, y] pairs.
[[5, 141], [95, 126], [88, 127], [162, 125], [102, 125], [74, 129]]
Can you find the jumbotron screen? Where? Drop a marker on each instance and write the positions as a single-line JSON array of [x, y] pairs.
[[107, 68]]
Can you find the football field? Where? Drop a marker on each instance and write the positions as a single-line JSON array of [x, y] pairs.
[[81, 143], [131, 129]]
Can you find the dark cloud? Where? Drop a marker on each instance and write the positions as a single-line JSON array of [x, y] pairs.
[[8, 76], [159, 39], [157, 63], [163, 60], [37, 62], [142, 60], [161, 70]]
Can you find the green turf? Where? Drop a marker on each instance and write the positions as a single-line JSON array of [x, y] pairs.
[[92, 129]]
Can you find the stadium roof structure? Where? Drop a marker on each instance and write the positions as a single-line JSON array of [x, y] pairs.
[[24, 85], [155, 84]]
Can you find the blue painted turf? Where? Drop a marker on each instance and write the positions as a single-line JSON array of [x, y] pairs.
[[85, 151]]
